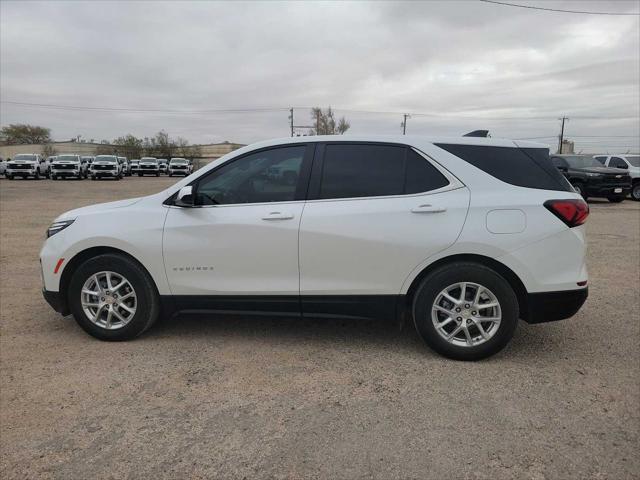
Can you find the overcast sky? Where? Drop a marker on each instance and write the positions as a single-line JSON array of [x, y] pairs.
[[467, 64]]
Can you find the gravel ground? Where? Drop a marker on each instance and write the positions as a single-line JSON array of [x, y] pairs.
[[241, 397]]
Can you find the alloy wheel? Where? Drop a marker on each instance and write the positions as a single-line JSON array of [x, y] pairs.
[[108, 300], [466, 314]]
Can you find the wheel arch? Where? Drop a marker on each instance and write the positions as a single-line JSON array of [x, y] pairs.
[[509, 275], [84, 255]]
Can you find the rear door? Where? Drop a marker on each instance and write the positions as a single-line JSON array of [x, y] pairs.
[[375, 212]]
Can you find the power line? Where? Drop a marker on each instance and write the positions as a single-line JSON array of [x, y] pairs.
[[284, 109], [144, 110], [531, 7]]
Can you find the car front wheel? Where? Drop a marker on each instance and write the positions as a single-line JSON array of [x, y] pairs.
[[113, 298], [579, 188], [465, 311], [635, 192]]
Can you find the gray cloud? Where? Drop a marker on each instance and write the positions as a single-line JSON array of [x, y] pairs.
[[472, 64]]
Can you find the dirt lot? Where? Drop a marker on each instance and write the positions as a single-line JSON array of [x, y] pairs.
[[255, 398]]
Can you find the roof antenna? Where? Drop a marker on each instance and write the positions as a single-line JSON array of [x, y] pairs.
[[478, 133]]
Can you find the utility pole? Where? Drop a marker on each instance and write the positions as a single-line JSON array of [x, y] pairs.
[[561, 138], [318, 122], [291, 120], [404, 123]]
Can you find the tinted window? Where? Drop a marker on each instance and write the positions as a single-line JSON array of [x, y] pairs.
[[524, 167], [601, 159], [267, 176], [352, 170], [421, 176], [617, 162]]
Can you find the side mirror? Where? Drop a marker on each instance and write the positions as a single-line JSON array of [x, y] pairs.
[[185, 197]]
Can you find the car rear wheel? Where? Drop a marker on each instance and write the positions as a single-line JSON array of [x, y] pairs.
[[465, 311], [113, 298]]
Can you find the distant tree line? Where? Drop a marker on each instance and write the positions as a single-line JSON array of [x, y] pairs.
[[161, 145]]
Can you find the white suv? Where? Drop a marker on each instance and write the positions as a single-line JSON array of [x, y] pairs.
[[631, 163], [462, 235]]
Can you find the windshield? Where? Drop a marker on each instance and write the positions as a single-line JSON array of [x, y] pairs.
[[633, 160], [106, 158], [24, 156], [67, 158], [178, 160], [149, 160], [578, 161]]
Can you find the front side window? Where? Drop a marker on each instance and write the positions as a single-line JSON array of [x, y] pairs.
[[601, 159], [370, 170], [266, 176]]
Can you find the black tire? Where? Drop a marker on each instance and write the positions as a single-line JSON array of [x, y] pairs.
[[148, 306], [616, 198], [157, 174], [579, 187], [93, 177], [9, 176], [635, 192], [171, 174], [453, 273], [37, 175], [139, 174]]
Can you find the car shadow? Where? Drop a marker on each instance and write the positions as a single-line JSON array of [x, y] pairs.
[[380, 334]]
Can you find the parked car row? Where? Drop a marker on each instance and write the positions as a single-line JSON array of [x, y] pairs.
[[604, 176], [31, 165]]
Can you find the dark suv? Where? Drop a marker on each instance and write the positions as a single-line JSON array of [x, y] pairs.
[[591, 179]]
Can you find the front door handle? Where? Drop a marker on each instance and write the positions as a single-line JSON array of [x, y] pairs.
[[278, 216], [427, 208]]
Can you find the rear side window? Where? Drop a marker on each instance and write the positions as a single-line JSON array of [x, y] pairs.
[[523, 167], [369, 170], [351, 170]]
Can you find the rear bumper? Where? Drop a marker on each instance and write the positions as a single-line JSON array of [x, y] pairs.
[[56, 301], [552, 306]]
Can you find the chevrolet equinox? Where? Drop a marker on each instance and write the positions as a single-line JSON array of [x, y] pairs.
[[461, 236]]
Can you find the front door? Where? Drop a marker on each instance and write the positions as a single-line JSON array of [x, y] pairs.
[[241, 238]]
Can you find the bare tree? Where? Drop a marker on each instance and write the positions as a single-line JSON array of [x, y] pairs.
[[129, 146], [325, 122], [20, 133], [48, 150]]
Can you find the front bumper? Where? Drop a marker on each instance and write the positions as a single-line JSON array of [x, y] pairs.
[[104, 173], [20, 172], [552, 306], [56, 301], [179, 172], [65, 173]]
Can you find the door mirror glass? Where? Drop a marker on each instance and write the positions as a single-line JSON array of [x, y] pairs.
[[185, 197]]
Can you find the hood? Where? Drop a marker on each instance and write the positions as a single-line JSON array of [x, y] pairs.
[[65, 162], [23, 161], [603, 170], [99, 207]]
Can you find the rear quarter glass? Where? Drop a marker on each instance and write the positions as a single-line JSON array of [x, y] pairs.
[[523, 167]]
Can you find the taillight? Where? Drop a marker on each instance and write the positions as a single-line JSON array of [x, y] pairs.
[[572, 212]]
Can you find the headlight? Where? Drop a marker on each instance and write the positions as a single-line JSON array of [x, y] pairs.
[[594, 174], [58, 227]]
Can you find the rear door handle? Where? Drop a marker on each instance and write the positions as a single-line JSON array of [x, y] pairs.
[[427, 208], [278, 216]]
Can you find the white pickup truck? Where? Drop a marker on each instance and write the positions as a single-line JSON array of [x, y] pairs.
[[66, 166], [630, 163]]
